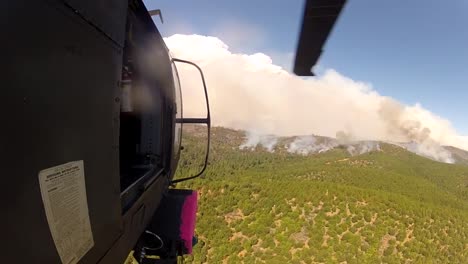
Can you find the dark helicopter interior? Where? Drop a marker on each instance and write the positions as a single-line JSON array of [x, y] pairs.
[[146, 111]]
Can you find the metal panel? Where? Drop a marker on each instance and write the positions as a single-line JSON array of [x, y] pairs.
[[58, 105], [136, 219], [109, 16]]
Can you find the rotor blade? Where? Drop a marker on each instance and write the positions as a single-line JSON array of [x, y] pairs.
[[319, 18]]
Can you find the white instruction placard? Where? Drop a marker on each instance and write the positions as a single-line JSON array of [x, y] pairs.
[[63, 193]]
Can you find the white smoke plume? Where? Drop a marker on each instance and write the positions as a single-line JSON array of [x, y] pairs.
[[430, 150], [306, 145], [361, 147], [266, 141], [309, 145], [250, 92]]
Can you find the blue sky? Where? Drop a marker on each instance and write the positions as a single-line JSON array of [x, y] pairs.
[[415, 51]]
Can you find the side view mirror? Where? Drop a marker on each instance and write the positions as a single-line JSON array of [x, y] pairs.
[[204, 120]]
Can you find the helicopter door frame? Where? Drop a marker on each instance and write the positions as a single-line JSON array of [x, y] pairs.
[[206, 120]]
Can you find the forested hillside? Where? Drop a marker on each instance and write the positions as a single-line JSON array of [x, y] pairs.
[[387, 205]]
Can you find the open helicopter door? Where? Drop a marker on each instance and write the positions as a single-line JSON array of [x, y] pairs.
[[170, 233]]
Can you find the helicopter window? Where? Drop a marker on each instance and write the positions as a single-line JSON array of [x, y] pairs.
[[178, 124]]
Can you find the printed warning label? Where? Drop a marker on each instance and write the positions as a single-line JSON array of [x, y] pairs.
[[63, 192]]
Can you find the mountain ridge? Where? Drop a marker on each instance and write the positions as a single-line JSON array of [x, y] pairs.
[[313, 144]]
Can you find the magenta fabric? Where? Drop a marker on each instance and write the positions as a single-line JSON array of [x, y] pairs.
[[187, 229]]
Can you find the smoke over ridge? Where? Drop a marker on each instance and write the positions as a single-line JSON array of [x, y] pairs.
[[249, 92]]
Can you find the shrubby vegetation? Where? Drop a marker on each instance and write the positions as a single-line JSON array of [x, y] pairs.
[[388, 206]]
